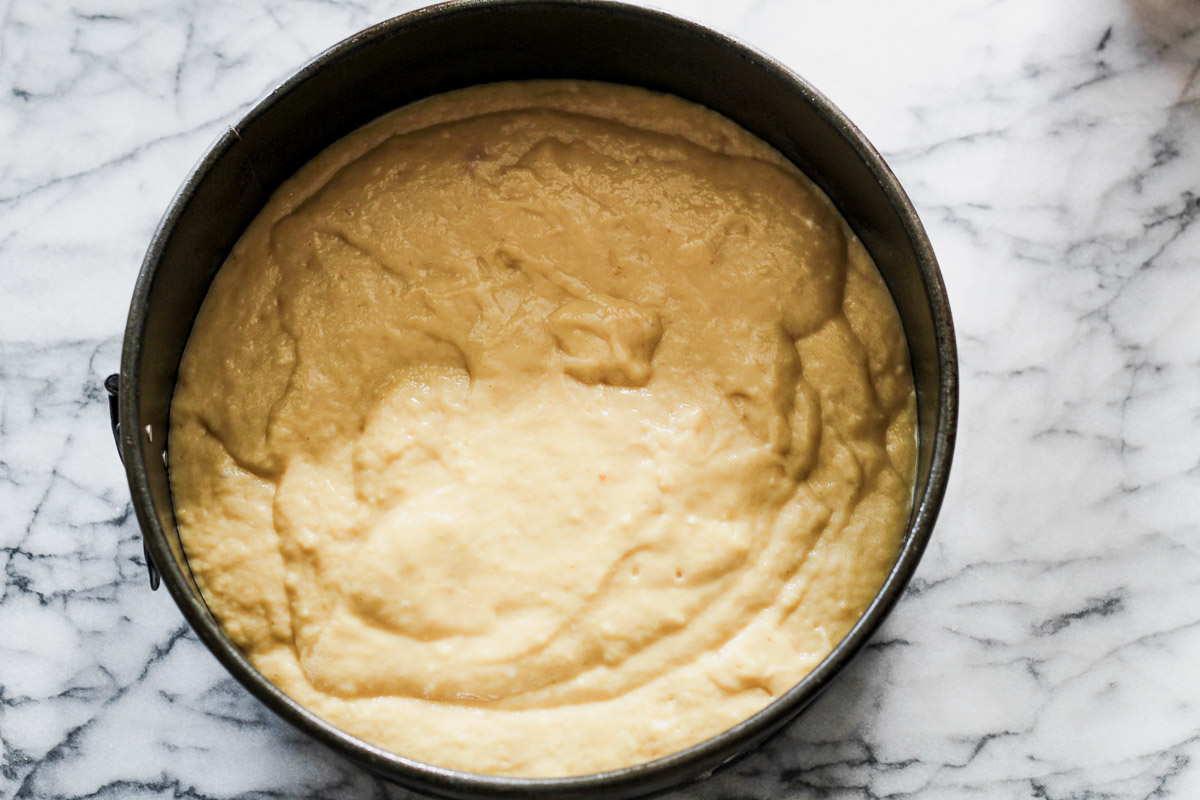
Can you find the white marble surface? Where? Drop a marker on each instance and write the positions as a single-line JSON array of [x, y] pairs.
[[1050, 645]]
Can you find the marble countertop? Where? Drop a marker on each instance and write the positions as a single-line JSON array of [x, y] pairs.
[[1049, 646]]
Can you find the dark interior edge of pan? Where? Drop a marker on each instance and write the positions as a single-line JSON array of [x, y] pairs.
[[641, 779]]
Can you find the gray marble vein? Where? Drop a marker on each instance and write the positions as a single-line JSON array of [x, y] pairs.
[[1049, 646]]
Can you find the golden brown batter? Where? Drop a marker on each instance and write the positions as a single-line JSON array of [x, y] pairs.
[[542, 429]]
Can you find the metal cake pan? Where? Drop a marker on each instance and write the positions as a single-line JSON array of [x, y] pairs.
[[458, 44]]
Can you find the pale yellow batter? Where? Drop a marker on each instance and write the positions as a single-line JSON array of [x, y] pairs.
[[543, 428]]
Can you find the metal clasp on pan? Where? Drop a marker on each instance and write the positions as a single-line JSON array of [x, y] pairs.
[[112, 385]]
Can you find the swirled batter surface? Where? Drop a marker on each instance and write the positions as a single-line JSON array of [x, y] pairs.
[[543, 428]]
